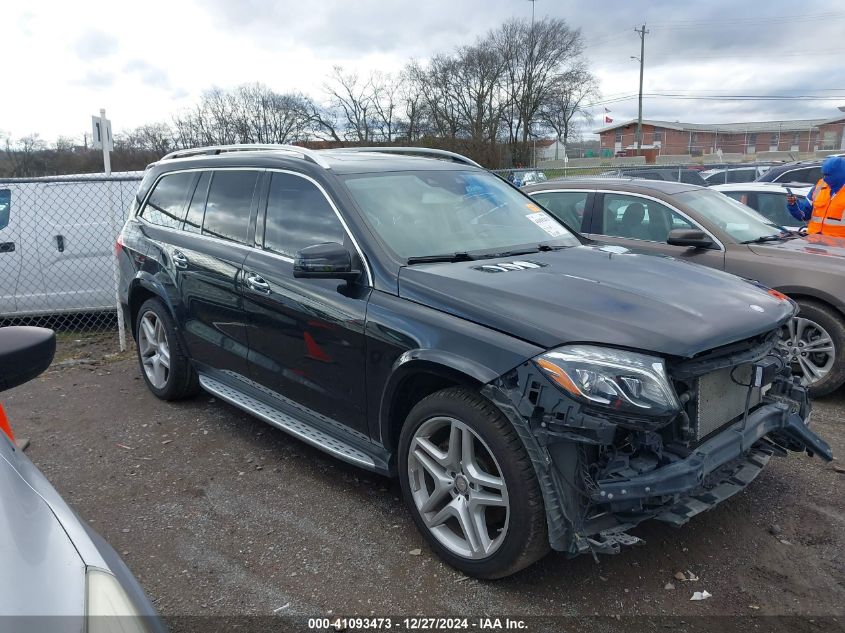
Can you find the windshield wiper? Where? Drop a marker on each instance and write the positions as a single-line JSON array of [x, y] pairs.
[[450, 257], [785, 234]]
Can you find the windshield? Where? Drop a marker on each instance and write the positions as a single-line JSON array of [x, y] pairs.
[[427, 213], [742, 223]]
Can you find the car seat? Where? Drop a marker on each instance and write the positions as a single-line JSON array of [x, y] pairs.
[[631, 224]]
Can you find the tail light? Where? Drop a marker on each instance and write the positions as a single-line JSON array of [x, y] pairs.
[[118, 245], [4, 425]]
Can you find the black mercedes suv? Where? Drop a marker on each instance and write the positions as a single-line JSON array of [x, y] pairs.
[[413, 314]]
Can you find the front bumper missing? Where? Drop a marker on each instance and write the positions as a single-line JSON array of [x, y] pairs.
[[688, 474]]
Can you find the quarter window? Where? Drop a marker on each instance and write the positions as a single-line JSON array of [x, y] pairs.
[[5, 207], [229, 203], [298, 215], [166, 204], [638, 218]]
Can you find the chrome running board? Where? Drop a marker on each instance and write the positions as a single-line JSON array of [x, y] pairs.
[[294, 426]]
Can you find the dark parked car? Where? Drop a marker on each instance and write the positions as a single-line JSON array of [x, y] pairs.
[[425, 319], [807, 172], [671, 174], [56, 573], [706, 227]]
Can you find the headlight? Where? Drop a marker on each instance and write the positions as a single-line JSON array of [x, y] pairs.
[[107, 607], [622, 381]]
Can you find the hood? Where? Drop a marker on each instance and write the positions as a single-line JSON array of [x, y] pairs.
[[816, 249], [599, 294], [833, 172]]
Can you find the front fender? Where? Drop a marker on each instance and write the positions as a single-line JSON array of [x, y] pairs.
[[441, 363]]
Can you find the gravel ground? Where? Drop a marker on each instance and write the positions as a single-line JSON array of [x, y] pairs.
[[220, 514]]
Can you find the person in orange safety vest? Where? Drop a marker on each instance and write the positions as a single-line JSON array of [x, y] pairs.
[[825, 205]]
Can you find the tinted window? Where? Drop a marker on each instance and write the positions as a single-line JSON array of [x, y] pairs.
[[5, 207], [741, 175], [196, 209], [640, 218], [566, 206], [229, 203], [773, 206], [809, 175], [166, 205], [298, 215], [692, 177]]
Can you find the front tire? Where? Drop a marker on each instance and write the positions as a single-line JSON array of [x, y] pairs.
[[814, 344], [470, 485], [165, 367]]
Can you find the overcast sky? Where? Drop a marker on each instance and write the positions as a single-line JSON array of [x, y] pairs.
[[144, 61]]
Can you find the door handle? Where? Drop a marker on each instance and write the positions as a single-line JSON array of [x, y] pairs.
[[7, 247], [179, 259], [60, 243], [257, 283]]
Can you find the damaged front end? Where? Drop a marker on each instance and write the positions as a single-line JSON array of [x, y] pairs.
[[619, 437]]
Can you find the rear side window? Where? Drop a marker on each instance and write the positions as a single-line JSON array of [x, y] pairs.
[[229, 204], [810, 175], [298, 215], [5, 207], [196, 209], [566, 206], [166, 204]]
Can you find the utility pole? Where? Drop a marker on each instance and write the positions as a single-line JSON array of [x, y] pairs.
[[642, 33]]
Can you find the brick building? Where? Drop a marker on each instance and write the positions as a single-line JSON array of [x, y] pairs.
[[741, 138]]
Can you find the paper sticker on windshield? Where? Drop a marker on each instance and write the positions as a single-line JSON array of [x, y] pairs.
[[533, 207], [547, 223]]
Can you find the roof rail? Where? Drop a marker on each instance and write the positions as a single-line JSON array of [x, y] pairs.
[[212, 150], [421, 151]]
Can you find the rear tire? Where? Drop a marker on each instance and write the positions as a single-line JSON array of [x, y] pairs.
[[166, 369], [814, 343], [460, 458]]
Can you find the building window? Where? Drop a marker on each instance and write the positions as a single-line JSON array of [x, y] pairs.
[[751, 143], [658, 135], [619, 135]]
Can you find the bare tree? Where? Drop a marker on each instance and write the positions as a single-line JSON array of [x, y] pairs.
[[385, 91], [564, 102], [414, 123], [534, 56], [352, 98]]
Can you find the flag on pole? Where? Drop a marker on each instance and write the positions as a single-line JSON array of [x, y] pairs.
[[607, 119]]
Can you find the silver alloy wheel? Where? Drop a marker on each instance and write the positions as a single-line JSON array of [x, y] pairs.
[[808, 348], [458, 488], [154, 349]]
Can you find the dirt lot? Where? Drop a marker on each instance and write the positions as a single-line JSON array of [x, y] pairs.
[[220, 514]]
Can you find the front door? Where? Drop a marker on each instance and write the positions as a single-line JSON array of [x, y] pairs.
[[306, 336], [643, 223]]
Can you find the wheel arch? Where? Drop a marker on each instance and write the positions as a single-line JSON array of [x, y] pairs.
[[813, 294], [143, 287], [417, 374]]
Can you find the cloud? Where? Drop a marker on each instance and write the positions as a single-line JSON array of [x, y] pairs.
[[95, 45], [148, 74], [96, 79]]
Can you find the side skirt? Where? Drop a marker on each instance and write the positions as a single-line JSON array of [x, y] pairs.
[[349, 449]]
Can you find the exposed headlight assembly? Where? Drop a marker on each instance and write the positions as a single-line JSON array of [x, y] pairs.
[[623, 382]]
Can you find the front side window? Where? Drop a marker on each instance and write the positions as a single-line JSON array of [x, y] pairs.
[[5, 207], [166, 205], [298, 215], [566, 206], [773, 206], [428, 213], [229, 204], [638, 218], [742, 223]]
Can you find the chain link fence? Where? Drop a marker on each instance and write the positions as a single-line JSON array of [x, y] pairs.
[[691, 173], [57, 240]]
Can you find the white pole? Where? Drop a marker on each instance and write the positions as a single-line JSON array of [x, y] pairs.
[[106, 158]]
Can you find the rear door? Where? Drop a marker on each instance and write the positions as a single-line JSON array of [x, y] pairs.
[[306, 336], [643, 223], [567, 205], [77, 228], [205, 258], [10, 253]]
